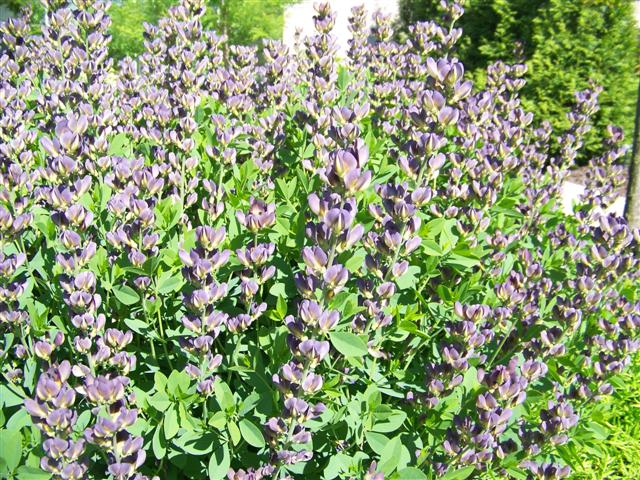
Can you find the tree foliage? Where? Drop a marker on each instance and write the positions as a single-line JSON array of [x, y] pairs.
[[565, 45], [127, 27], [244, 21]]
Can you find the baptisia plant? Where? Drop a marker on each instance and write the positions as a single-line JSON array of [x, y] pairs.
[[221, 261]]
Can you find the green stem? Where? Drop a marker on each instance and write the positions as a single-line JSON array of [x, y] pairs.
[[396, 254], [504, 340], [163, 341], [330, 258], [160, 324], [153, 350]]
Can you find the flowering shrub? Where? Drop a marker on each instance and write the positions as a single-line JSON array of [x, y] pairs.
[[219, 267]]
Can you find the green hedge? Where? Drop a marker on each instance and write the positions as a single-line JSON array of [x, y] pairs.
[[565, 45]]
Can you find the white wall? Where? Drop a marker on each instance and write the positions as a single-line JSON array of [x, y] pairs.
[[300, 15]]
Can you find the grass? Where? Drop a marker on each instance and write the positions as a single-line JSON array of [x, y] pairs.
[[618, 456]]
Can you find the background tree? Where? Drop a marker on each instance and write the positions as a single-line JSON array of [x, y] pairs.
[[565, 45], [127, 18], [575, 42], [244, 21]]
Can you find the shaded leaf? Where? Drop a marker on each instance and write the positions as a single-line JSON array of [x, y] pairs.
[[219, 463], [348, 344], [126, 295], [251, 434]]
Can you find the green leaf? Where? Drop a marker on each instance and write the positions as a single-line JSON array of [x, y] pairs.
[[9, 396], [355, 261], [459, 474], [120, 145], [281, 307], [234, 432], [599, 432], [251, 434], [169, 213], [105, 195], [160, 401], [159, 381], [391, 423], [219, 463], [18, 420], [186, 420], [196, 443], [309, 151], [138, 326], [390, 456], [432, 248], [11, 451], [126, 295], [178, 382], [411, 473], [470, 381], [409, 326], [30, 368], [337, 464], [507, 263], [448, 239], [224, 395], [159, 444], [218, 420], [83, 420], [376, 441], [167, 283], [32, 473], [373, 396], [171, 425], [343, 77], [349, 344], [278, 289], [464, 262], [408, 279], [44, 223], [517, 473]]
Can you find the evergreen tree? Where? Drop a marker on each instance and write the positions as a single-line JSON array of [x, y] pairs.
[[566, 44], [581, 41]]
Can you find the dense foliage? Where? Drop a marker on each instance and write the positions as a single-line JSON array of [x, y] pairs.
[[217, 268], [565, 45]]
